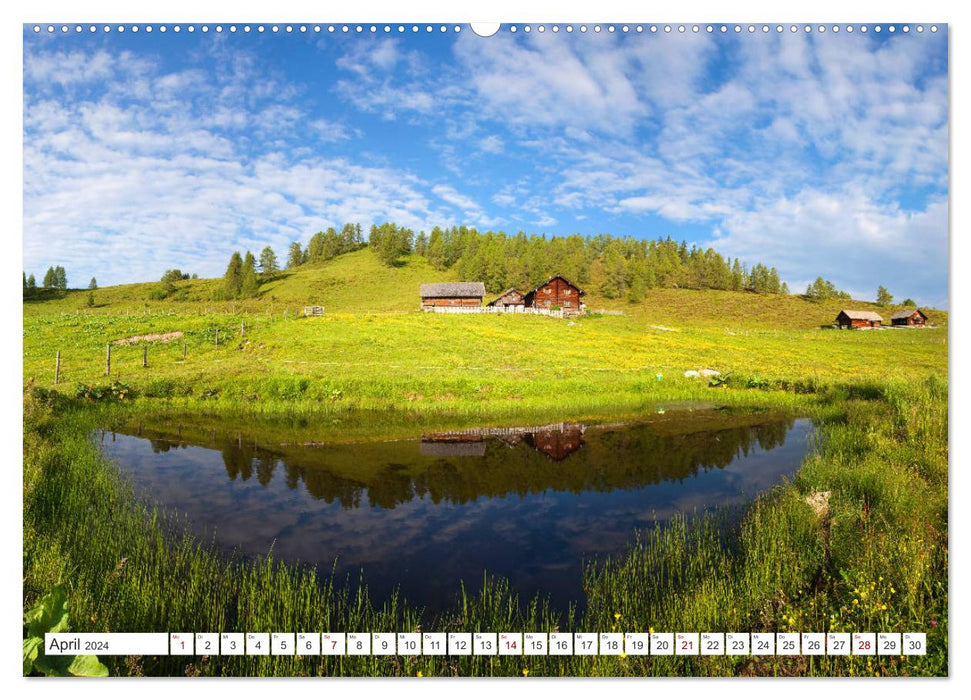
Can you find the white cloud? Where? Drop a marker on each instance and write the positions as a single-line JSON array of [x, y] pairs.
[[450, 195], [491, 144], [849, 239], [549, 81], [123, 185]]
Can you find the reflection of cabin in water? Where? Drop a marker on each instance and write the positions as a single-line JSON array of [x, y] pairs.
[[452, 294], [908, 317], [555, 441], [469, 447], [510, 300], [558, 292], [858, 319], [559, 444]]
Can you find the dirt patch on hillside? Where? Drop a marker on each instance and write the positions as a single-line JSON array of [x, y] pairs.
[[151, 337]]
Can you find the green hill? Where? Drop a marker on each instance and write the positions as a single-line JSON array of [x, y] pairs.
[[359, 283]]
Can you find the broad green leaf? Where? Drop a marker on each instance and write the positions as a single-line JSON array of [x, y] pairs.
[[53, 665], [87, 665], [49, 615], [32, 647]]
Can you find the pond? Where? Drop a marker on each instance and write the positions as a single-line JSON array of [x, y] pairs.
[[528, 503]]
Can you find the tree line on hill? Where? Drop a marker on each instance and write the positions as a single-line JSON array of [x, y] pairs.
[[55, 278], [628, 266]]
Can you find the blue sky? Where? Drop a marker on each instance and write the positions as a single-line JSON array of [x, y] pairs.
[[821, 153]]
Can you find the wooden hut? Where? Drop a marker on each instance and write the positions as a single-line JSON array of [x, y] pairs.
[[510, 300], [559, 292], [909, 317], [451, 295], [858, 319]]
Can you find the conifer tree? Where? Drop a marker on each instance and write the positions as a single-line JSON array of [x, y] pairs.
[[233, 279], [294, 256], [268, 262], [248, 283]]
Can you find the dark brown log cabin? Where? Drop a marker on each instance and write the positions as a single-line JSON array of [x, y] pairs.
[[909, 317], [510, 300], [858, 319], [452, 294], [558, 292]]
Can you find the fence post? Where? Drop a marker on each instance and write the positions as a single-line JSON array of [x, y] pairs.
[[185, 347], [108, 360], [145, 355], [57, 366]]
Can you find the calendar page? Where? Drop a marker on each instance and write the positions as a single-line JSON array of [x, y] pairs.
[[533, 349]]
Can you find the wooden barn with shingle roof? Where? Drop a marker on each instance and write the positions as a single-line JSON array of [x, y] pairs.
[[451, 294], [556, 292], [908, 317], [858, 319], [510, 300]]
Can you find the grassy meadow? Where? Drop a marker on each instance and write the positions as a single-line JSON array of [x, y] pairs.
[[857, 541]]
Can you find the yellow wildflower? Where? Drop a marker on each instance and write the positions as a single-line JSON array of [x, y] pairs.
[[418, 674], [616, 616], [525, 671]]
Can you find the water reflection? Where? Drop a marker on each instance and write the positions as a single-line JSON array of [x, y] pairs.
[[527, 503]]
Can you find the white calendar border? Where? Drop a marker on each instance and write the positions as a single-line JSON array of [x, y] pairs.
[[547, 10]]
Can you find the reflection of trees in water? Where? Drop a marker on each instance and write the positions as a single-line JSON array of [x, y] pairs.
[[265, 464], [161, 446], [602, 460]]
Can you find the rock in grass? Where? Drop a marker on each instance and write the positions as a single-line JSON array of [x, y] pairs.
[[819, 502], [692, 373], [710, 373]]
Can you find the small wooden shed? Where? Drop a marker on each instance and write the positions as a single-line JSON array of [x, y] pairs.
[[510, 300], [559, 292], [451, 294], [908, 317], [858, 319]]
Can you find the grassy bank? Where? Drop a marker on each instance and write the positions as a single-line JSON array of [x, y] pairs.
[[871, 555], [451, 365]]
